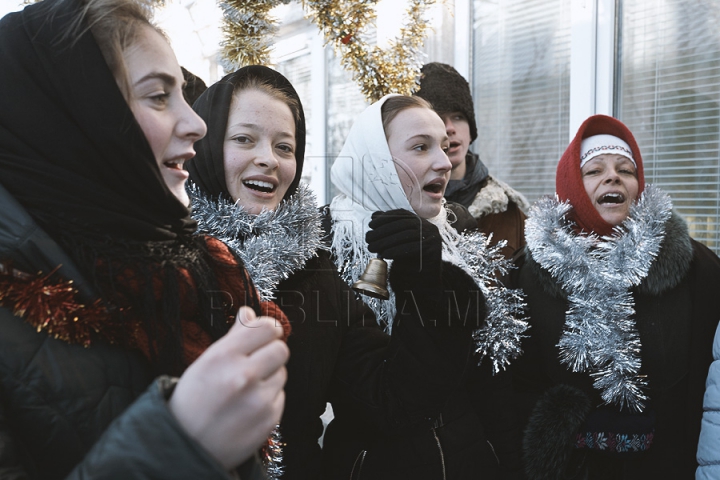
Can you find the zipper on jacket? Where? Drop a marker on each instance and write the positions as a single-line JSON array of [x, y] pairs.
[[361, 458], [442, 455], [493, 450]]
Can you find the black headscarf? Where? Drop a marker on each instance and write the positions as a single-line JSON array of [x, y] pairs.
[[194, 86], [207, 169], [73, 155], [71, 151]]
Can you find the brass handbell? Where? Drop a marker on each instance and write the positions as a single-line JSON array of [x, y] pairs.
[[373, 281]]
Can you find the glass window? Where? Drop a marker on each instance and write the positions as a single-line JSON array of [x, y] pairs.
[[521, 89], [439, 45], [298, 71], [668, 94]]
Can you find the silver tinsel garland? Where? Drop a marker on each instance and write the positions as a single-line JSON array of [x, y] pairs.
[[272, 244], [500, 338], [597, 273]]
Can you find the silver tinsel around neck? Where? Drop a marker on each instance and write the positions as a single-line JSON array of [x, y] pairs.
[[597, 273], [272, 244], [505, 324]]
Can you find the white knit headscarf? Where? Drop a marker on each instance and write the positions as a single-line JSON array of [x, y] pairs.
[[366, 177]]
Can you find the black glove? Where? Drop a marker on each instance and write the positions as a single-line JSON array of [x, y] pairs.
[[463, 221], [413, 243]]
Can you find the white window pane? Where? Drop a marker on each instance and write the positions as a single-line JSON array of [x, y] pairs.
[[521, 89], [668, 93]]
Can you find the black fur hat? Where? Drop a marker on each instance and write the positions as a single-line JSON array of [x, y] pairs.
[[447, 91]]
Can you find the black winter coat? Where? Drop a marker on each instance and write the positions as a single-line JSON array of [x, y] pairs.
[[321, 308], [91, 411], [377, 384], [339, 354], [432, 415], [67, 411], [677, 310]]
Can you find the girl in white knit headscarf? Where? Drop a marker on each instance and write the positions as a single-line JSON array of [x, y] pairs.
[[391, 174], [368, 175]]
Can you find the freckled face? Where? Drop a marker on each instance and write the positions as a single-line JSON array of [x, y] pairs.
[[419, 144], [612, 186], [168, 122], [259, 150]]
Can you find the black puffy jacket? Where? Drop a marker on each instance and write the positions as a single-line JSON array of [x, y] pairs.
[[67, 411]]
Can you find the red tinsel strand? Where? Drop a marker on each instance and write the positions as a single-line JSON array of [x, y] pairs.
[[53, 307]]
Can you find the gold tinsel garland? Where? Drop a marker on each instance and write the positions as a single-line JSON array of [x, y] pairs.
[[248, 28], [378, 71]]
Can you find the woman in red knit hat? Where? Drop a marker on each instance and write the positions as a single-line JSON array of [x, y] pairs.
[[622, 310]]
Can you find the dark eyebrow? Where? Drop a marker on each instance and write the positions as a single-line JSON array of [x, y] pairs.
[[167, 79], [427, 138], [420, 136]]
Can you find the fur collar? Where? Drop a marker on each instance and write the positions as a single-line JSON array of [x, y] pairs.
[[273, 244], [668, 269], [494, 197]]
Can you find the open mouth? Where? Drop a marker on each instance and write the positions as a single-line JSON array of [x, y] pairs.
[[259, 186], [174, 164], [611, 198], [454, 145], [433, 188]]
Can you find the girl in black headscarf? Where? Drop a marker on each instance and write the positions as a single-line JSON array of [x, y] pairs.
[[279, 245], [245, 190], [103, 284]]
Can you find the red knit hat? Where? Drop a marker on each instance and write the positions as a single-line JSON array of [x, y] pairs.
[[568, 179]]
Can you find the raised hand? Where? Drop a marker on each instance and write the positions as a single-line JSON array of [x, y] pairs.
[[413, 243], [232, 395]]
